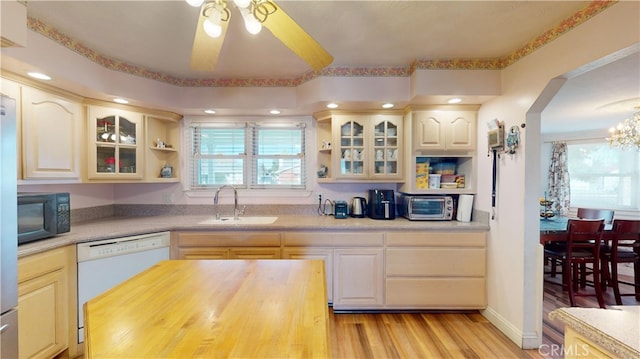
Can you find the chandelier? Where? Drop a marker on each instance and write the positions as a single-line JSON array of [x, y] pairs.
[[254, 13], [626, 134]]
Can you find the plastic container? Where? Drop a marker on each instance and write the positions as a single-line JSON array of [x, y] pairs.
[[445, 168], [434, 180]]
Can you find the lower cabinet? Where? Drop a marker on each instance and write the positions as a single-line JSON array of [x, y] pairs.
[[358, 278], [324, 254], [353, 264], [366, 269], [45, 304], [225, 245], [436, 270]]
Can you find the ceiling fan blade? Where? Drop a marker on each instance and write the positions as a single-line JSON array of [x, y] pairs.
[[295, 38], [206, 49]]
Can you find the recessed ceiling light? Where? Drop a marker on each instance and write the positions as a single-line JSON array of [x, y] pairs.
[[39, 76], [211, 112], [387, 105], [455, 100], [120, 100], [332, 105], [274, 112]]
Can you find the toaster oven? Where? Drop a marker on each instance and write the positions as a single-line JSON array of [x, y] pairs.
[[426, 208]]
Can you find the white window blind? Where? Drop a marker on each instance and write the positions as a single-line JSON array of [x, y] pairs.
[[603, 177], [278, 156], [247, 155]]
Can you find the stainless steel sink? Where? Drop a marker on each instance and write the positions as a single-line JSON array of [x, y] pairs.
[[241, 220]]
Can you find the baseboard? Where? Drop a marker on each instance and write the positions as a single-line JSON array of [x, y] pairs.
[[524, 341]]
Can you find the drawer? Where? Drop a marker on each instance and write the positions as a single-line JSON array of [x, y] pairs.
[[228, 239], [333, 239], [436, 293], [436, 262], [437, 239]]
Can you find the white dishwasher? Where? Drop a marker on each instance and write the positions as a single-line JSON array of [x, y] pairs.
[[104, 264]]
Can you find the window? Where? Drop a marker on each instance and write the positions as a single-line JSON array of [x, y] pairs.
[[604, 177], [247, 155]]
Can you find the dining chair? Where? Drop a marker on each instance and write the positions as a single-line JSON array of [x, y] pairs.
[[594, 213], [625, 248], [591, 213], [582, 247], [582, 213]]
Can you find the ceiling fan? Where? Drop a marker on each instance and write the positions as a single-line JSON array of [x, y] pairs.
[[214, 19]]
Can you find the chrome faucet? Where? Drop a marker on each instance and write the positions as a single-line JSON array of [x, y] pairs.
[[236, 212]]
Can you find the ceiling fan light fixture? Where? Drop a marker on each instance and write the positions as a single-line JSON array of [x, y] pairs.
[[195, 3], [242, 3], [211, 27], [252, 24]]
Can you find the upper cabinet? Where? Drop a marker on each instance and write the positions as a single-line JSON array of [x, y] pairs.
[[443, 143], [360, 146], [115, 150], [51, 129], [50, 126], [444, 130]]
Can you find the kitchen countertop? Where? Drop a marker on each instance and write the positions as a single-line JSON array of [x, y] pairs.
[[114, 227], [616, 329], [238, 309]]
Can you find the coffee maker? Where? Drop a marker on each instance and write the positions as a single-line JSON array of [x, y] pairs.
[[381, 204]]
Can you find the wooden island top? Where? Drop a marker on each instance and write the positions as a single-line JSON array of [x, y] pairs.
[[213, 308]]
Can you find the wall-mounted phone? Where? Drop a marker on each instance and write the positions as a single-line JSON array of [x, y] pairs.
[[495, 135]]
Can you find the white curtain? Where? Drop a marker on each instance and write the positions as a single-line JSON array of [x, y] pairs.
[[559, 190]]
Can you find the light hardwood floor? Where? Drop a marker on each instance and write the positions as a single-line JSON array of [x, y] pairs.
[[420, 335], [448, 335]]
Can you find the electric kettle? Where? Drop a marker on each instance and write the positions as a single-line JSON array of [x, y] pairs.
[[358, 207]]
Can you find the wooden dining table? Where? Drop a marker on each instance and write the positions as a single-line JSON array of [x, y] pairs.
[[555, 230]]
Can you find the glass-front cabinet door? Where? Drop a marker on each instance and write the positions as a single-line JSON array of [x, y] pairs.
[[369, 147], [387, 152], [114, 148], [351, 149]]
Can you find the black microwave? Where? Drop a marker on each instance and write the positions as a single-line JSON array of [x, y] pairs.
[[42, 215]]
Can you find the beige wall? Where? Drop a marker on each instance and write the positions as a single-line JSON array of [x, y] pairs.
[[514, 253]]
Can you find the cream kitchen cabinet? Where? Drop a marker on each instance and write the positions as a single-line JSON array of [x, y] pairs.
[[44, 303], [353, 264], [50, 125], [444, 128], [115, 144], [225, 245], [311, 245], [51, 129], [358, 278], [435, 270], [363, 146]]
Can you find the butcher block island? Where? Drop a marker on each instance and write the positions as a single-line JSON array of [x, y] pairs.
[[207, 309]]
